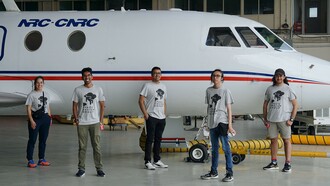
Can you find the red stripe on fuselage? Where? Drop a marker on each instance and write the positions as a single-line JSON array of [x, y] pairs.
[[145, 78]]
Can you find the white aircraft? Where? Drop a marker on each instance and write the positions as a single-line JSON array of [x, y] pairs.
[[122, 46]]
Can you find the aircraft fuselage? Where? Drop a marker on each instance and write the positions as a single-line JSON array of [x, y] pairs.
[[122, 47]]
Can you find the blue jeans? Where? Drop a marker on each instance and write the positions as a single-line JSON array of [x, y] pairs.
[[42, 129], [215, 136]]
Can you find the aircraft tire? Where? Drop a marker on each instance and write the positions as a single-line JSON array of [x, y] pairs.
[[236, 159], [242, 157], [198, 153]]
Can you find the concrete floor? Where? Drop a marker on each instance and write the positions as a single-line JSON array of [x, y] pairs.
[[123, 160]]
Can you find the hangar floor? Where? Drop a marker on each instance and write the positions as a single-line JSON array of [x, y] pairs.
[[123, 160]]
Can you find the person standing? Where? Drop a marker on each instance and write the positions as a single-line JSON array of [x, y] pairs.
[[279, 110], [219, 113], [88, 111], [152, 102], [39, 120]]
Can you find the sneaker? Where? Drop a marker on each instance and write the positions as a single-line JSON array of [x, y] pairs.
[[31, 164], [80, 173], [43, 162], [271, 166], [160, 164], [100, 173], [209, 176], [150, 166], [228, 178], [286, 168]]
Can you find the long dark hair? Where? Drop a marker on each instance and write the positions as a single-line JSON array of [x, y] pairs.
[[35, 81], [285, 80]]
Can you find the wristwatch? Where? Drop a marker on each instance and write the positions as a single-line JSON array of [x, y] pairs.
[[291, 119]]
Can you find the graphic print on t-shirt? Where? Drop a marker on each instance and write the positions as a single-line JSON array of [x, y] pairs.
[[215, 98], [275, 103], [160, 93], [88, 105], [159, 97], [278, 95], [40, 101]]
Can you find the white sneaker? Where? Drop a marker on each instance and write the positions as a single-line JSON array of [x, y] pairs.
[[160, 164], [149, 166]]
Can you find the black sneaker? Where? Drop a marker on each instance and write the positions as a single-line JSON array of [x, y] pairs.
[[100, 173], [80, 173], [228, 178], [209, 176], [286, 168], [271, 166]]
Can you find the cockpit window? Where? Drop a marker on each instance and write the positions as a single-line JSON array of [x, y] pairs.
[[249, 38], [272, 39], [221, 36]]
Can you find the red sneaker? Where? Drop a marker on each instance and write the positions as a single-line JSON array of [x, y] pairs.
[[31, 164], [43, 162]]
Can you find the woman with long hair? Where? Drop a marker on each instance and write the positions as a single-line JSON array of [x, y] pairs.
[[39, 120]]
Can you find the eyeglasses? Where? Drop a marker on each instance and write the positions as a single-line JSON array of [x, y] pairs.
[[217, 76]]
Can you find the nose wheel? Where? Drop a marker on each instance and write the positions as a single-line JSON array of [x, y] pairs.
[[199, 153]]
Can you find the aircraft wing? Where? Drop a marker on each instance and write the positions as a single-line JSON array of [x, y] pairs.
[[11, 99]]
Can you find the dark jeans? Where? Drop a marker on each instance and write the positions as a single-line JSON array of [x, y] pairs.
[[42, 129], [155, 128]]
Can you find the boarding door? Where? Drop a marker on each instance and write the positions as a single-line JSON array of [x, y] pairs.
[[3, 32]]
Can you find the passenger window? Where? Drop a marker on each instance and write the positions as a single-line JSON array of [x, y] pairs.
[[221, 36], [76, 40], [250, 38], [33, 40]]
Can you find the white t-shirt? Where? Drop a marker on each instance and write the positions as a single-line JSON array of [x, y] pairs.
[[155, 94], [279, 102], [35, 100], [217, 101], [88, 103]]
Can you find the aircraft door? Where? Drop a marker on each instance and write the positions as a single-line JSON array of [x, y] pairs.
[[3, 32]]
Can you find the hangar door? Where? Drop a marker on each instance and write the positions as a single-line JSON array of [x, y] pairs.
[[315, 16]]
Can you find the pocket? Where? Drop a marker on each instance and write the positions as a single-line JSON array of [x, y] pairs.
[[223, 129], [38, 114]]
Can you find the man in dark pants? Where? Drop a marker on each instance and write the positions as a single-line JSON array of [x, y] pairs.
[[152, 102]]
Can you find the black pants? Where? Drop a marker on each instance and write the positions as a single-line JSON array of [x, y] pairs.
[[155, 128], [42, 129]]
